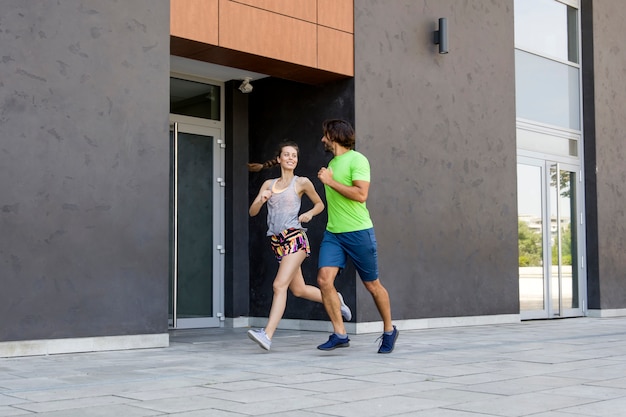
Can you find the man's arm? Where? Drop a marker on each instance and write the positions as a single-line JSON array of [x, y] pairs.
[[358, 191]]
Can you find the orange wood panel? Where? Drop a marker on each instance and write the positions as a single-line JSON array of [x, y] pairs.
[[300, 9], [256, 31], [195, 19], [337, 14], [335, 51]]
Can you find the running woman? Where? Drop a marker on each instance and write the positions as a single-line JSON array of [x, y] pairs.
[[288, 238]]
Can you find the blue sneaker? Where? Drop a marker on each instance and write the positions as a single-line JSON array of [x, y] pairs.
[[334, 342], [346, 313], [388, 341]]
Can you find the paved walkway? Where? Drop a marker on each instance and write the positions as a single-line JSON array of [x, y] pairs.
[[558, 368]]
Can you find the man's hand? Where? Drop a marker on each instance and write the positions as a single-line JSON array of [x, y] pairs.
[[325, 175], [358, 191]]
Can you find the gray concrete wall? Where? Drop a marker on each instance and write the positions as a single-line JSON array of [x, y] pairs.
[[84, 168], [439, 131], [605, 151]]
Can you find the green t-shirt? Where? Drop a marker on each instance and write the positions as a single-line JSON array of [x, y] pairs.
[[345, 215]]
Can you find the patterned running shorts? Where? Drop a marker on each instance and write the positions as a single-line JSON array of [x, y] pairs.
[[289, 241]]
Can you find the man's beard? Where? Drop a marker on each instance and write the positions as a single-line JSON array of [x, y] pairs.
[[328, 147]]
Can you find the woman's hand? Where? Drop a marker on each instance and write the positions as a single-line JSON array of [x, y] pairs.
[[265, 195], [305, 217]]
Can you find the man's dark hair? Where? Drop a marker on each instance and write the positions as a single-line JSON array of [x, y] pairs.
[[340, 132]]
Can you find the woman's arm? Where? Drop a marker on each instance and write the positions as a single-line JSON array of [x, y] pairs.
[[306, 187], [264, 194]]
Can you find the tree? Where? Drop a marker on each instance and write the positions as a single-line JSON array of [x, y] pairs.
[[529, 244], [566, 247]]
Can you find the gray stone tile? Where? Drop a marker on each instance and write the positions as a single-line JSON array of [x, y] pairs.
[[519, 385], [302, 377], [482, 378], [450, 396], [521, 405], [9, 400], [102, 411], [294, 413], [185, 404], [393, 378], [380, 407], [589, 391], [335, 385], [208, 413], [96, 389], [6, 411], [57, 405], [597, 373], [557, 414], [261, 394], [366, 394], [308, 403], [169, 393], [610, 408], [440, 412]]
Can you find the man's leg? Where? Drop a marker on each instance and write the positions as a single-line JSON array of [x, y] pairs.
[[381, 299], [326, 281], [362, 249], [332, 259]]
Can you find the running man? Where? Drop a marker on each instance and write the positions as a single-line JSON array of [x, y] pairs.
[[349, 233]]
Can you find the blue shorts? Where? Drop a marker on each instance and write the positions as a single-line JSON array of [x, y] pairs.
[[359, 246]]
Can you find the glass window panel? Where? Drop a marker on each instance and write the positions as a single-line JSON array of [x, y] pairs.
[[542, 142], [572, 35], [547, 91], [194, 99], [547, 27], [195, 226], [530, 238], [563, 238]]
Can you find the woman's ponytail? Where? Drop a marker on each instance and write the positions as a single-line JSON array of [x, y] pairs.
[[256, 167]]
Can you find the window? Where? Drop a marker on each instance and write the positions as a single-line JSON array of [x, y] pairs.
[[547, 91], [548, 28], [194, 99]]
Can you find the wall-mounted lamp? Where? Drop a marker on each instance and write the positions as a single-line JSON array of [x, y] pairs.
[[245, 86], [441, 36]]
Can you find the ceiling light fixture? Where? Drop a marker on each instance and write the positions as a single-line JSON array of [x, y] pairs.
[[245, 86]]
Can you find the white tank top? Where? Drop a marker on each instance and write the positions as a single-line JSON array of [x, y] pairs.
[[283, 209]]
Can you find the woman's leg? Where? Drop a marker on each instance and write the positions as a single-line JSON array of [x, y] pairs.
[[287, 270], [301, 289]]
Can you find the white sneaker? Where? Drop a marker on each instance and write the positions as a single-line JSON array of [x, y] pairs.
[[346, 313], [259, 336]]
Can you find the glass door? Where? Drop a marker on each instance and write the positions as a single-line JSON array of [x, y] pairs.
[[564, 265], [549, 239], [196, 210]]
